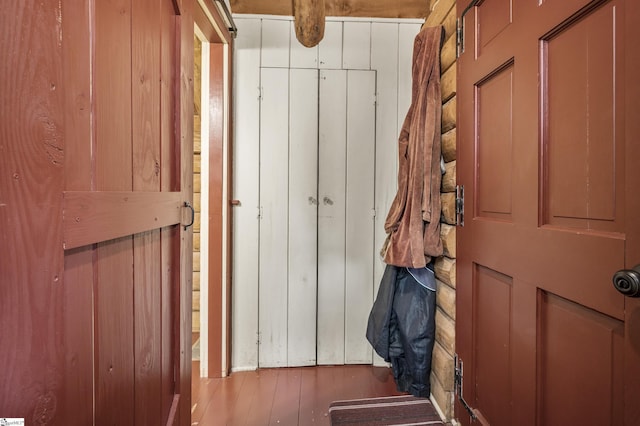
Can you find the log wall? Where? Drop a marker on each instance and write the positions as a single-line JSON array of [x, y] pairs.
[[443, 12], [197, 76]]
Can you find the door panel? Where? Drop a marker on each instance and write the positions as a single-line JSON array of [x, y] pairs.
[[543, 138], [303, 216], [95, 125], [317, 168], [332, 146]]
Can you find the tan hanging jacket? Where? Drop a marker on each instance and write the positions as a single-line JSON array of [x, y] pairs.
[[413, 221]]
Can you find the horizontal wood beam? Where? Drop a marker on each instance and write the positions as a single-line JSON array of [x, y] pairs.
[[91, 217], [309, 21], [354, 8]]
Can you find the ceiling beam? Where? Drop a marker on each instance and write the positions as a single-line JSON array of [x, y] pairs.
[[352, 8], [309, 19]]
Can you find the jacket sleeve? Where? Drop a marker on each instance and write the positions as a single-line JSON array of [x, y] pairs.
[[380, 315]]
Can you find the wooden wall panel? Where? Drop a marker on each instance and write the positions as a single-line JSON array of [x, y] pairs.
[[148, 328], [113, 89], [145, 91], [32, 144], [145, 88], [275, 43], [170, 236], [360, 8], [274, 152], [303, 216], [114, 282], [360, 194], [330, 48], [356, 45], [331, 216], [246, 184], [115, 378], [76, 404]]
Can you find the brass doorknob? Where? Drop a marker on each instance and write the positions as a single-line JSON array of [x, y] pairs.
[[627, 281]]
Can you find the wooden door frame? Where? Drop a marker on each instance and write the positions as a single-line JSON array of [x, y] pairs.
[[219, 139]]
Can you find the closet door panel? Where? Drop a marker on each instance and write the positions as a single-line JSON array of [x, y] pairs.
[[331, 216], [361, 141], [273, 268], [303, 216]]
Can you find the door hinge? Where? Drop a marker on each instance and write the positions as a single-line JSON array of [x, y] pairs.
[[460, 28], [459, 37], [458, 373], [460, 205]]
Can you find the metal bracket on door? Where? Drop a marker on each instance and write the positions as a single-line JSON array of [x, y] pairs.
[[460, 28], [460, 205], [458, 373]]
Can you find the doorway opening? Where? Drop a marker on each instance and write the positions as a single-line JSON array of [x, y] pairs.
[[212, 183]]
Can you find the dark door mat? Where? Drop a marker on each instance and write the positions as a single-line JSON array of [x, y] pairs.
[[392, 410]]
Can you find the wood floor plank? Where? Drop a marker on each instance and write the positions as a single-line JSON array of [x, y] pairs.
[[202, 393], [286, 403], [285, 396], [248, 397], [313, 410], [224, 400], [259, 411]]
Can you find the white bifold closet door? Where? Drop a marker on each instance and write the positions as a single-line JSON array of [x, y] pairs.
[[317, 168]]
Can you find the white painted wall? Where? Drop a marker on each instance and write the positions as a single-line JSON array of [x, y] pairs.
[[380, 45]]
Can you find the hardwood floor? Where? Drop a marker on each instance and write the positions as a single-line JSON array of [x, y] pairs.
[[283, 396]]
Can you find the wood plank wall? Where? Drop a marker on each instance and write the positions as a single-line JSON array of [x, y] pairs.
[[443, 12]]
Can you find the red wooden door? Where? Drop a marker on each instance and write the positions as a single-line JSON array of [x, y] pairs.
[[96, 132], [548, 155]]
